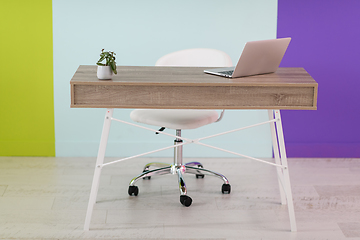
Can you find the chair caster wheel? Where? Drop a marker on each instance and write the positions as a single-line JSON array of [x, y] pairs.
[[133, 190], [226, 188], [146, 178], [185, 200], [200, 175]]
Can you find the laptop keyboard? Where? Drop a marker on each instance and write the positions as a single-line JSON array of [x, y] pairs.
[[227, 72]]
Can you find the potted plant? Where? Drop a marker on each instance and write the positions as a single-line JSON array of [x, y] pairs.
[[107, 69]]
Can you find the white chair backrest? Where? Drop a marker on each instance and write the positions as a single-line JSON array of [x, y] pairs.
[[196, 57]]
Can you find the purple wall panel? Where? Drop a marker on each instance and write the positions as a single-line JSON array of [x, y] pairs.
[[326, 42]]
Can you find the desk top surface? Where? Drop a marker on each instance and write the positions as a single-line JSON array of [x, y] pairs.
[[189, 76], [190, 87]]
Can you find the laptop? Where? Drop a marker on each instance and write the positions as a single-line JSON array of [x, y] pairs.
[[257, 57]]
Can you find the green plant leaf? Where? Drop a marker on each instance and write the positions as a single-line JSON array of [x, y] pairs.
[[100, 64], [113, 67], [101, 59]]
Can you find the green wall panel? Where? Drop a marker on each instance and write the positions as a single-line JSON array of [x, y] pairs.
[[26, 85]]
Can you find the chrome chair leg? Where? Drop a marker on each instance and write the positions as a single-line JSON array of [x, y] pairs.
[[158, 165], [182, 185], [134, 190], [198, 174], [195, 170], [155, 164], [191, 164], [226, 188], [184, 199]]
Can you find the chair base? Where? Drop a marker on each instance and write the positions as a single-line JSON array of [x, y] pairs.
[[195, 168]]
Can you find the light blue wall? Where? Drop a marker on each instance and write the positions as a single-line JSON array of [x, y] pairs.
[[140, 32]]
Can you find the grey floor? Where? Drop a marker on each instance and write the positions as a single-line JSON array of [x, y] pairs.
[[46, 198]]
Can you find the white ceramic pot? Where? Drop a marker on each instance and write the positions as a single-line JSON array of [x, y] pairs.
[[104, 72]]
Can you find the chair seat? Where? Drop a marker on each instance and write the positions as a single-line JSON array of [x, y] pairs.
[[175, 118]]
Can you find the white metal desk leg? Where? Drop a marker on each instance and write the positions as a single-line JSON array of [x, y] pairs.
[[98, 167], [287, 185], [277, 157]]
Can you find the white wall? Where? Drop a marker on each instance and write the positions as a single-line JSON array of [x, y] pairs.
[[140, 32]]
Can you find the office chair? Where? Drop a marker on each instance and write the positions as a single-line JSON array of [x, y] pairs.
[[179, 119]]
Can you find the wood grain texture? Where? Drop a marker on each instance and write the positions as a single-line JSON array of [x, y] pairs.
[[189, 87]]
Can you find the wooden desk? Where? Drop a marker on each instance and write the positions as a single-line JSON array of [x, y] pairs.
[[190, 88]]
